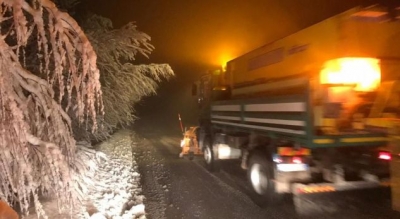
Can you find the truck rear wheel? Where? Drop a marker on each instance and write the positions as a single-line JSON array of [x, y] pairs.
[[260, 173], [209, 155]]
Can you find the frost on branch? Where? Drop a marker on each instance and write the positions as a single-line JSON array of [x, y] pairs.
[[47, 72], [123, 83]]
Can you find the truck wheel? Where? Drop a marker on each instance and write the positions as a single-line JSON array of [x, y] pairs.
[[260, 173], [209, 155]]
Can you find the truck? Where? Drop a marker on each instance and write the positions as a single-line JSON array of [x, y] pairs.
[[310, 112]]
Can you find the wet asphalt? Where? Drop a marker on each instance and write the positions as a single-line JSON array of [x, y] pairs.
[[183, 188]]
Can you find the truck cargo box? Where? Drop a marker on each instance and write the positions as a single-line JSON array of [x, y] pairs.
[[306, 52]]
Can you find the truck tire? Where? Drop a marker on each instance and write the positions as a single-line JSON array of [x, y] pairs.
[[212, 163], [260, 174]]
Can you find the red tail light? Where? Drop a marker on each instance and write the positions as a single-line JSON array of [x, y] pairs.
[[297, 160], [384, 155]]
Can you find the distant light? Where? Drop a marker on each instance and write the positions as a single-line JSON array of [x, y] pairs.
[[224, 58], [383, 155], [223, 67]]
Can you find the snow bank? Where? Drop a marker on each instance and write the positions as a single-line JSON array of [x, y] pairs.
[[117, 194], [117, 191]]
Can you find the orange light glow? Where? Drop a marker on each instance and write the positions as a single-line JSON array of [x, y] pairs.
[[364, 73], [224, 59]]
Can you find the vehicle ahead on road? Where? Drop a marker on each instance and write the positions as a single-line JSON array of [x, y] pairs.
[[189, 144], [305, 113]]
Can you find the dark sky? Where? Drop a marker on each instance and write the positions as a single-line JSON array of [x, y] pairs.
[[204, 33], [196, 35]]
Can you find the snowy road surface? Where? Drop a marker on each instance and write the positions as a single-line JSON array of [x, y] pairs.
[[179, 188]]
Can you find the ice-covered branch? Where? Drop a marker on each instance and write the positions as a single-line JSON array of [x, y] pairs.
[[37, 147]]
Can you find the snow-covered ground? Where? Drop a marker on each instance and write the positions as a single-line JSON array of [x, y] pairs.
[[117, 193]]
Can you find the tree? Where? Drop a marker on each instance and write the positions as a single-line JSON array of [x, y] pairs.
[[50, 87], [123, 83], [37, 149]]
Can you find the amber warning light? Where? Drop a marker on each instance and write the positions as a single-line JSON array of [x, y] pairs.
[[363, 73]]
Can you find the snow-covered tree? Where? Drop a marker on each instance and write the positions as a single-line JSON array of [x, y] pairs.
[[123, 83], [48, 71]]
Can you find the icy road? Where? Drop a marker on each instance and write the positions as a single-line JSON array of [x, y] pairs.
[[179, 188]]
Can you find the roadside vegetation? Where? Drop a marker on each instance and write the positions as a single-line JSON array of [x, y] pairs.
[[57, 96]]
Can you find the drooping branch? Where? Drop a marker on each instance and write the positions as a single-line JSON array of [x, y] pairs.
[[37, 148], [123, 82]]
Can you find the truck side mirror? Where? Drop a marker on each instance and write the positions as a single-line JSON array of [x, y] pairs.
[[194, 89]]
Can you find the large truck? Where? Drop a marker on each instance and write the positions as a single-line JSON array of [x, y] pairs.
[[309, 112]]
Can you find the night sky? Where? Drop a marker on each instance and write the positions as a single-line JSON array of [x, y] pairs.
[[205, 33], [194, 36]]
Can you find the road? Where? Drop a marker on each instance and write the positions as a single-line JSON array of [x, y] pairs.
[[180, 188]]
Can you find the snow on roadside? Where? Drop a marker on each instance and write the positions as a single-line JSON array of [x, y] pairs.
[[117, 194]]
